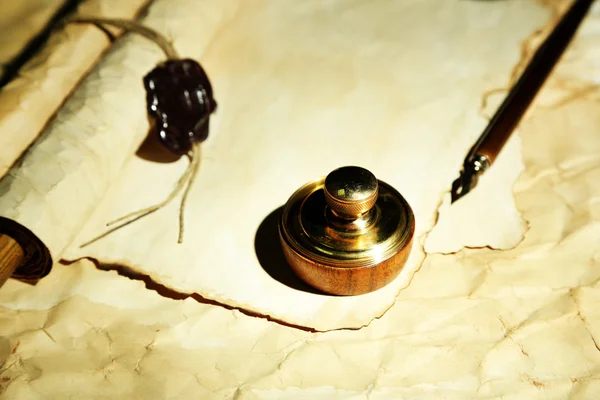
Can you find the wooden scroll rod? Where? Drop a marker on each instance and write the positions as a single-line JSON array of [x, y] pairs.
[[12, 257]]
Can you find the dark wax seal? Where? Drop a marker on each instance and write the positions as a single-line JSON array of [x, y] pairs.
[[180, 100]]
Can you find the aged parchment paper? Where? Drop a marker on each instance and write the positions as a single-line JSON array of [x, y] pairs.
[[30, 100], [475, 221], [479, 324], [304, 88], [20, 22]]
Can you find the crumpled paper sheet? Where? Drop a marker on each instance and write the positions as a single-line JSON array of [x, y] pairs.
[[478, 324], [28, 102], [304, 88], [477, 222]]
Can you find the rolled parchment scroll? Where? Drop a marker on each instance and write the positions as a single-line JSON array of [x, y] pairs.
[[22, 21], [30, 98], [55, 186]]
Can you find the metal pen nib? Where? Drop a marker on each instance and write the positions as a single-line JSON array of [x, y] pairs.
[[461, 186], [469, 176]]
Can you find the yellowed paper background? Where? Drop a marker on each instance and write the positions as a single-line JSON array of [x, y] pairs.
[[20, 22], [479, 324]]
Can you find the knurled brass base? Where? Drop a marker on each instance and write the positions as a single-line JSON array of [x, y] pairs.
[[346, 281]]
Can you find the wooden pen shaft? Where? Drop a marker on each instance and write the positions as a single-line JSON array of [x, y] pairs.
[[519, 98]]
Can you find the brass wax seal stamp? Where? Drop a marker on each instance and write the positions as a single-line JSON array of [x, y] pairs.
[[348, 233]]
